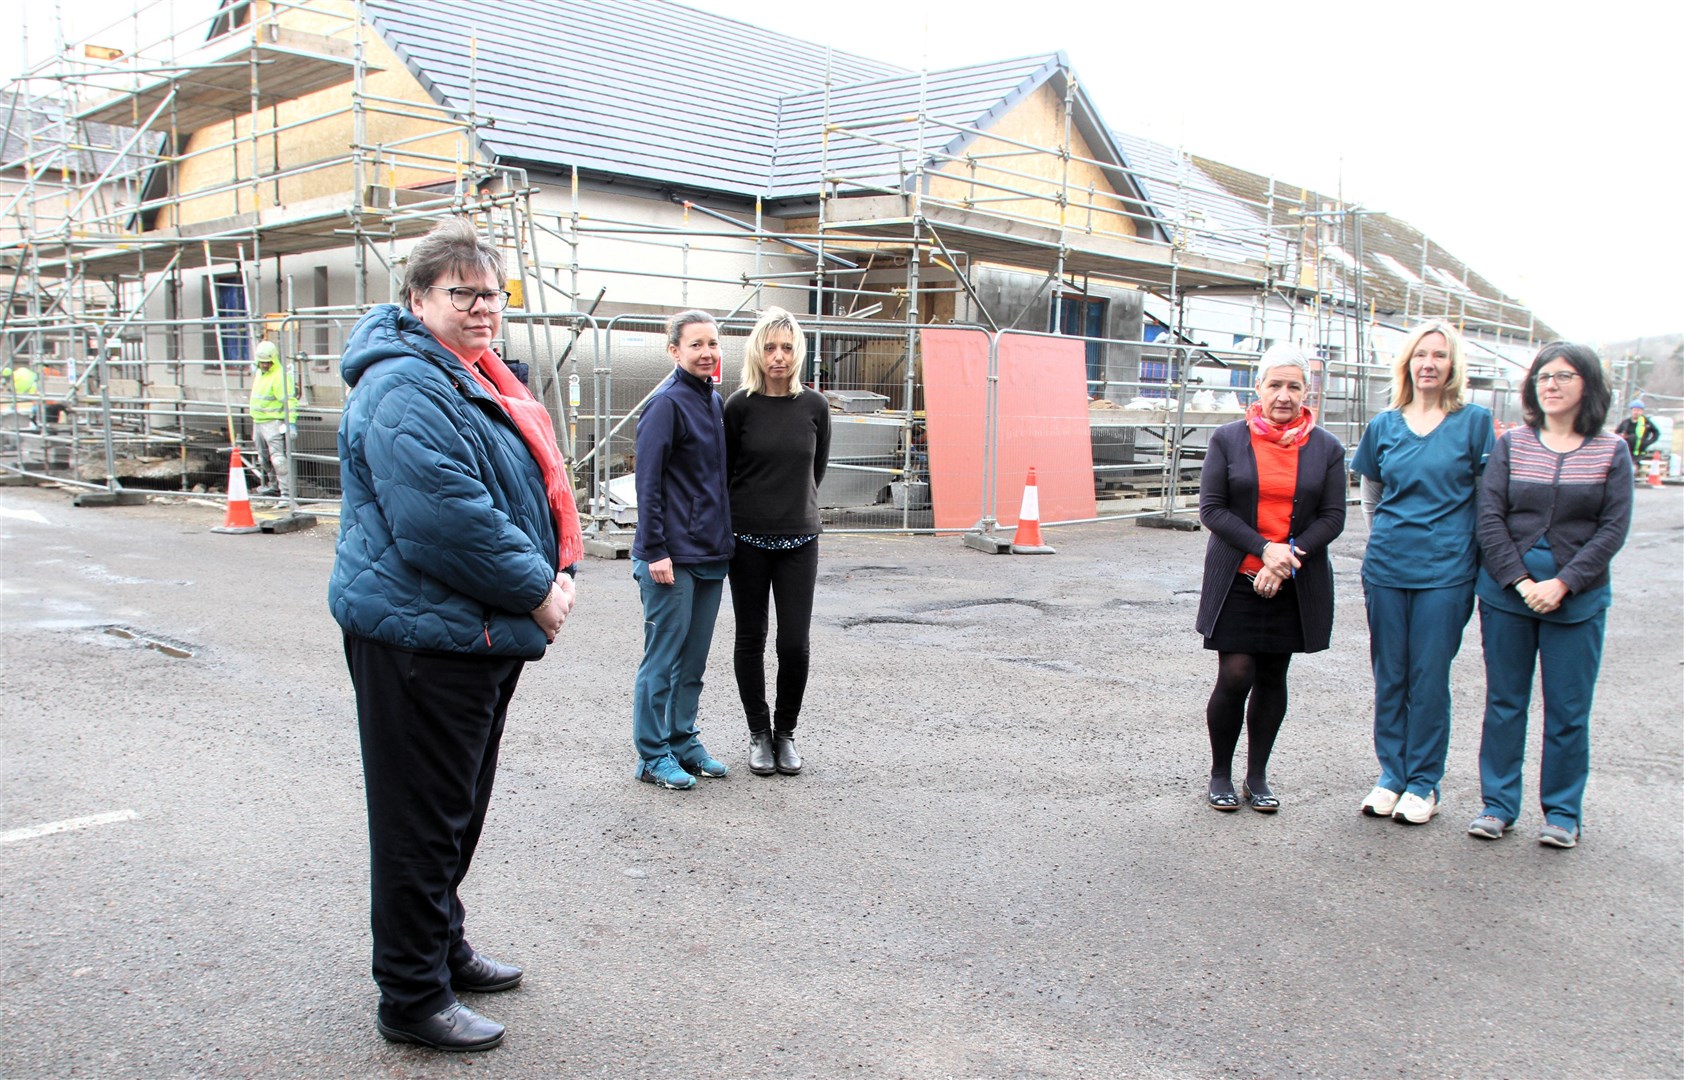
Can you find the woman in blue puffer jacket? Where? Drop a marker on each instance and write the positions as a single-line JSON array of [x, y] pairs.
[[457, 545]]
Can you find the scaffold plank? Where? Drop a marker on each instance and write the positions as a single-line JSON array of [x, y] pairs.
[[214, 83], [1010, 241]]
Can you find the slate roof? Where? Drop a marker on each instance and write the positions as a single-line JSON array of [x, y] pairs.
[[886, 108], [43, 115], [973, 97], [1400, 264], [1182, 194], [644, 89], [656, 91]]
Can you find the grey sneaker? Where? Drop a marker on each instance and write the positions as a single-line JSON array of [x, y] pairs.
[[1488, 827], [1556, 836]]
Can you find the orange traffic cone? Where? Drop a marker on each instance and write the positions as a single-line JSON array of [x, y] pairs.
[[1655, 469], [1027, 539], [238, 518]]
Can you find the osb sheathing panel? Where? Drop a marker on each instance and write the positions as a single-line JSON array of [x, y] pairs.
[[322, 141], [1039, 121]]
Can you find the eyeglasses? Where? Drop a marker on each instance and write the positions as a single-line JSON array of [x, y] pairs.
[[463, 299], [1560, 378]]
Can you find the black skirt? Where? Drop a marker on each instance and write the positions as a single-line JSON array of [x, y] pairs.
[[1249, 623]]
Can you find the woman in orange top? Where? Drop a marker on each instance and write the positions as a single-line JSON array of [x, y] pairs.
[[1272, 494]]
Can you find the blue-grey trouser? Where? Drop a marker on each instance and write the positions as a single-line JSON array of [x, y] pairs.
[[1413, 635], [677, 632], [1571, 654]]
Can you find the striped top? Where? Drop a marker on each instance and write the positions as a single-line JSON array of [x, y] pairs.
[[1530, 461], [1579, 501]]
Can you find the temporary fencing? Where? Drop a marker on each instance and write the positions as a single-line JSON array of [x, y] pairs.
[[933, 426]]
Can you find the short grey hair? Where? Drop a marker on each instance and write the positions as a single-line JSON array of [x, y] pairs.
[[1282, 354], [453, 245]]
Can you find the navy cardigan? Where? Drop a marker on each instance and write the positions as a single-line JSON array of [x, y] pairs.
[[1228, 508]]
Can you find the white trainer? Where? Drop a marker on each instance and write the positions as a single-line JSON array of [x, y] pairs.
[[1380, 802], [1414, 810]]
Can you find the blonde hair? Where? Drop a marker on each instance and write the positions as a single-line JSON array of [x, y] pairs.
[[772, 320], [1403, 386]]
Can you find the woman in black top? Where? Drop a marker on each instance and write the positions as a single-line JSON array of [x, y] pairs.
[[777, 440]]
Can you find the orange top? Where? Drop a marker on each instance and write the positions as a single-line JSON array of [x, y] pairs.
[[1277, 479]]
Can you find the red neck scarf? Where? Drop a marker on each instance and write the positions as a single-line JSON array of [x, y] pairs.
[[1291, 433], [533, 423]]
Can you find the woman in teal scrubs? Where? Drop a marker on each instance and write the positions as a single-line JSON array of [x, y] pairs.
[[1420, 461]]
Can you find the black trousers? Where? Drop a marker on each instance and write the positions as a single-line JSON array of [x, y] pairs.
[[788, 576], [430, 725]]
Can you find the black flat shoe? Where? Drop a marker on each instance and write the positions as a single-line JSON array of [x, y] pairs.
[[783, 748], [1222, 800], [1264, 802], [455, 1028], [483, 975], [761, 761]]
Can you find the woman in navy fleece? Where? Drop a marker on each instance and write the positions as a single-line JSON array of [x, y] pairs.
[[680, 554]]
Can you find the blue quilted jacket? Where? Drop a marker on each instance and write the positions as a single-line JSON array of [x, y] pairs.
[[446, 539]]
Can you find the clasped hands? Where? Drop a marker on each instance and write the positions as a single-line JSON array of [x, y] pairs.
[[1279, 561], [554, 610], [1542, 597]]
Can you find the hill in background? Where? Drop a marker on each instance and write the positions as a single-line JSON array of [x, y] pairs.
[[1654, 367]]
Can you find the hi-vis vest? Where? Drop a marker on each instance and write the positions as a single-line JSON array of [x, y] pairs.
[[271, 396]]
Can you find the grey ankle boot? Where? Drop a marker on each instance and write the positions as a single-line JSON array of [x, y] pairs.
[[789, 762], [760, 760]]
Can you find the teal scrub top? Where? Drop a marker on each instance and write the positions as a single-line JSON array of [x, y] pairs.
[[1422, 534]]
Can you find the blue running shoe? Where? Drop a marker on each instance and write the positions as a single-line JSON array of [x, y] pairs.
[[705, 765], [666, 772]]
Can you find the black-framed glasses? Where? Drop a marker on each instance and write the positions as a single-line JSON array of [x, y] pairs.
[[463, 299], [1559, 378]]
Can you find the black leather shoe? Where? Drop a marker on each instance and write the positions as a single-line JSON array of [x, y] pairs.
[[456, 1028], [760, 760], [789, 762], [483, 975]]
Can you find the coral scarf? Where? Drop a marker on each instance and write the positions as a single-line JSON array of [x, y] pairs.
[[1292, 433], [535, 429]]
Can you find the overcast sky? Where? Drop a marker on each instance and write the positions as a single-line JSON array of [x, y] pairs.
[[1540, 142]]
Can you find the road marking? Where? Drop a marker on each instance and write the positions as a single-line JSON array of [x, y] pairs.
[[23, 515], [67, 825]]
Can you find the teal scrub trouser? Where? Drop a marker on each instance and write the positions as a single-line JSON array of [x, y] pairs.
[[677, 632], [1571, 654], [1413, 635]]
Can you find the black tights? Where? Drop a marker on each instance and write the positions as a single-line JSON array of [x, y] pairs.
[[1261, 677]]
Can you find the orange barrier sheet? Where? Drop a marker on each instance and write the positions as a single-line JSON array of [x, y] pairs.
[[1043, 422]]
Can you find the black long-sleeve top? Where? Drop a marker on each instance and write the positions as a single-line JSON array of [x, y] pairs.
[[776, 449]]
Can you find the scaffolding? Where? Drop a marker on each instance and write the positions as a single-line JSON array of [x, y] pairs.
[[134, 168], [218, 154]]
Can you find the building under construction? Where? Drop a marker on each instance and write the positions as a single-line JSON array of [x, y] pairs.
[[979, 256]]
